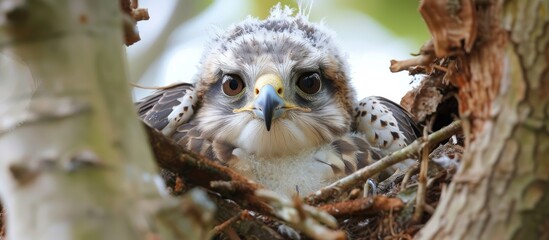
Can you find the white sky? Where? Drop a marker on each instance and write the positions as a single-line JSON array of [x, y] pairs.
[[368, 45]]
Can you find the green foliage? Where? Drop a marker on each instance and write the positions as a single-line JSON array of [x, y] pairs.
[[400, 17]]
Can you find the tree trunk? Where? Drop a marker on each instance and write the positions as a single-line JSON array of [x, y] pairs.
[[502, 188], [74, 163]]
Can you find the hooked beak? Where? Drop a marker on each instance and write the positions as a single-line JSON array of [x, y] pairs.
[[268, 103]]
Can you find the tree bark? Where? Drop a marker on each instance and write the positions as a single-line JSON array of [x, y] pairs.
[[74, 163], [501, 190]]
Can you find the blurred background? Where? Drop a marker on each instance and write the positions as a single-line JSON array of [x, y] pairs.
[[370, 32]]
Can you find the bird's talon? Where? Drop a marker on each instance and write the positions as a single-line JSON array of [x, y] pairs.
[[370, 188]]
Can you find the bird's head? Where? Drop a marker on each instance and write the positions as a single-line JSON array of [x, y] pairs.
[[274, 87]]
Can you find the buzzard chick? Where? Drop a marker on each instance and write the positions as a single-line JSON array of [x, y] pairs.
[[273, 101]]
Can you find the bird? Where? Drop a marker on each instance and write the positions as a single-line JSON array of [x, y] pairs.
[[272, 99]]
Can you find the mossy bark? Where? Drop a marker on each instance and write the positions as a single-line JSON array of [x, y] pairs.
[[74, 162]]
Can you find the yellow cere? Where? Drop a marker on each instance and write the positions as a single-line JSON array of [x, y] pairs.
[[269, 79]]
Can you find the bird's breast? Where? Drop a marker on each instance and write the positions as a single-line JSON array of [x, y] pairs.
[[301, 173], [286, 139]]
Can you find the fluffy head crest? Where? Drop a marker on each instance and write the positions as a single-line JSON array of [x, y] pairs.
[[279, 12], [283, 33]]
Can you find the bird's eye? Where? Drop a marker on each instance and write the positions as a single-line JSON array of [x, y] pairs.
[[309, 83], [232, 85]]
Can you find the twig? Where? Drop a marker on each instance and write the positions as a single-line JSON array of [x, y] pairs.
[[397, 177], [422, 184], [430, 182], [231, 234], [428, 208], [302, 217], [362, 206], [392, 223], [246, 224], [132, 14], [422, 178], [424, 58], [228, 222], [440, 68], [397, 66], [409, 172], [363, 174]]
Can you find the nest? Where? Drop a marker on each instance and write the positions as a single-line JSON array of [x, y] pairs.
[[392, 211]]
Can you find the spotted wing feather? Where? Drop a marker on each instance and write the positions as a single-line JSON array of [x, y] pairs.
[[385, 124], [168, 108], [404, 118]]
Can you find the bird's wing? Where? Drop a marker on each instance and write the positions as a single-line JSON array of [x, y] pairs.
[[352, 152], [189, 136], [168, 108], [385, 124]]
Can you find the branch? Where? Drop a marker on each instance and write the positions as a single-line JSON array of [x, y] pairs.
[[422, 184], [424, 58], [201, 172], [363, 174], [362, 206], [421, 60]]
